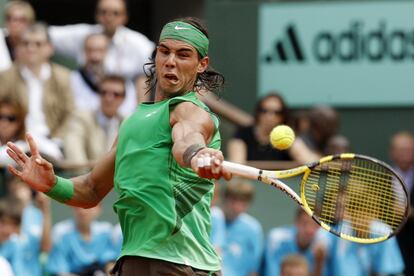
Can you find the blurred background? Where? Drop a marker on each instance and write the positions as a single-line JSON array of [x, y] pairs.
[[373, 98], [356, 57]]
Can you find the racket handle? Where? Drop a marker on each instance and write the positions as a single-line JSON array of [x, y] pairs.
[[241, 170]]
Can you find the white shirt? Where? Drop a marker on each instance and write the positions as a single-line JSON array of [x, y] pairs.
[[36, 120], [88, 100], [110, 127], [5, 60], [5, 267], [128, 51]]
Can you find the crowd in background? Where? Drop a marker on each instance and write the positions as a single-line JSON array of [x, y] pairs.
[[75, 115]]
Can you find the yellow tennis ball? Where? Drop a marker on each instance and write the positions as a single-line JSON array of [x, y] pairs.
[[282, 137]]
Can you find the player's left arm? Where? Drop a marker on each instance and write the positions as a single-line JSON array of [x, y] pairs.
[[192, 131]]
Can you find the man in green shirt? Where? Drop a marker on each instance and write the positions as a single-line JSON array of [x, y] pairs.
[[160, 165]]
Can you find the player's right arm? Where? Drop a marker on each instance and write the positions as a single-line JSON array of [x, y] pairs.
[[38, 173]]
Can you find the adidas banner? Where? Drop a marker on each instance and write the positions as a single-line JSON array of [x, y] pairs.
[[343, 54]]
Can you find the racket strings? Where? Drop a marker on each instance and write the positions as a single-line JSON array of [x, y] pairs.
[[361, 198]]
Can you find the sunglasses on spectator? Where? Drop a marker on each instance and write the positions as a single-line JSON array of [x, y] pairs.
[[9, 118], [20, 19], [115, 94], [38, 44], [105, 12], [272, 111]]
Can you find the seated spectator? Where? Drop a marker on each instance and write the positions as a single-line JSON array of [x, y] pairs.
[[34, 235], [401, 152], [116, 243], [294, 265], [10, 221], [81, 245], [42, 87], [218, 222], [91, 134], [252, 142], [345, 258], [298, 239], [85, 81], [242, 250], [12, 127], [311, 146], [128, 50], [337, 144], [18, 16]]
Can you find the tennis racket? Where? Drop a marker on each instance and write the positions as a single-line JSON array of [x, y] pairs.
[[355, 197]]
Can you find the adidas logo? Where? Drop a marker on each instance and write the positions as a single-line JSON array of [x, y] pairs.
[[356, 42], [287, 48]]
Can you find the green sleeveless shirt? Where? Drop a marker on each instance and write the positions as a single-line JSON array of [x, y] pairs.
[[163, 208]]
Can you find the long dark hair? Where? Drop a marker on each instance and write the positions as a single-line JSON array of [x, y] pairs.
[[209, 80]]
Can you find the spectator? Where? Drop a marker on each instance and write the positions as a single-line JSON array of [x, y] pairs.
[[91, 134], [345, 258], [128, 50], [243, 246], [294, 265], [218, 222], [86, 246], [34, 235], [42, 87], [10, 221], [310, 146], [298, 239], [85, 81], [402, 154], [252, 142], [19, 15], [337, 144], [12, 127]]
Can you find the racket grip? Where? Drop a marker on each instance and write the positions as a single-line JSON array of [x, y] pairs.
[[241, 170]]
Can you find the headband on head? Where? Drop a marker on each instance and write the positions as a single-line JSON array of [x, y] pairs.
[[182, 31]]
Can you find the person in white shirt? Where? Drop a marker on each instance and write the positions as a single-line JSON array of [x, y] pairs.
[[91, 133], [86, 79], [18, 16], [42, 87], [128, 50]]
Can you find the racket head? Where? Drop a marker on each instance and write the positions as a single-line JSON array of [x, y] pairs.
[[355, 197]]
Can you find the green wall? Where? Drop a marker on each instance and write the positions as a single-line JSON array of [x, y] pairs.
[[233, 32], [2, 3]]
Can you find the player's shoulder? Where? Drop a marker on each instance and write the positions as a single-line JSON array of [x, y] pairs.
[[63, 228], [250, 221], [217, 212], [102, 227], [280, 234]]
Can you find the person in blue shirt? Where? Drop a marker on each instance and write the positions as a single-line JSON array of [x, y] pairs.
[[34, 235], [218, 224], [81, 245], [300, 239], [242, 250], [348, 258], [218, 229], [10, 221]]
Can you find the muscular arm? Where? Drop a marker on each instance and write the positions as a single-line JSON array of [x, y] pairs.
[[192, 125], [92, 187], [38, 173]]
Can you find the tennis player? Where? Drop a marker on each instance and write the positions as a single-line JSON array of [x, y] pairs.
[[160, 165]]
